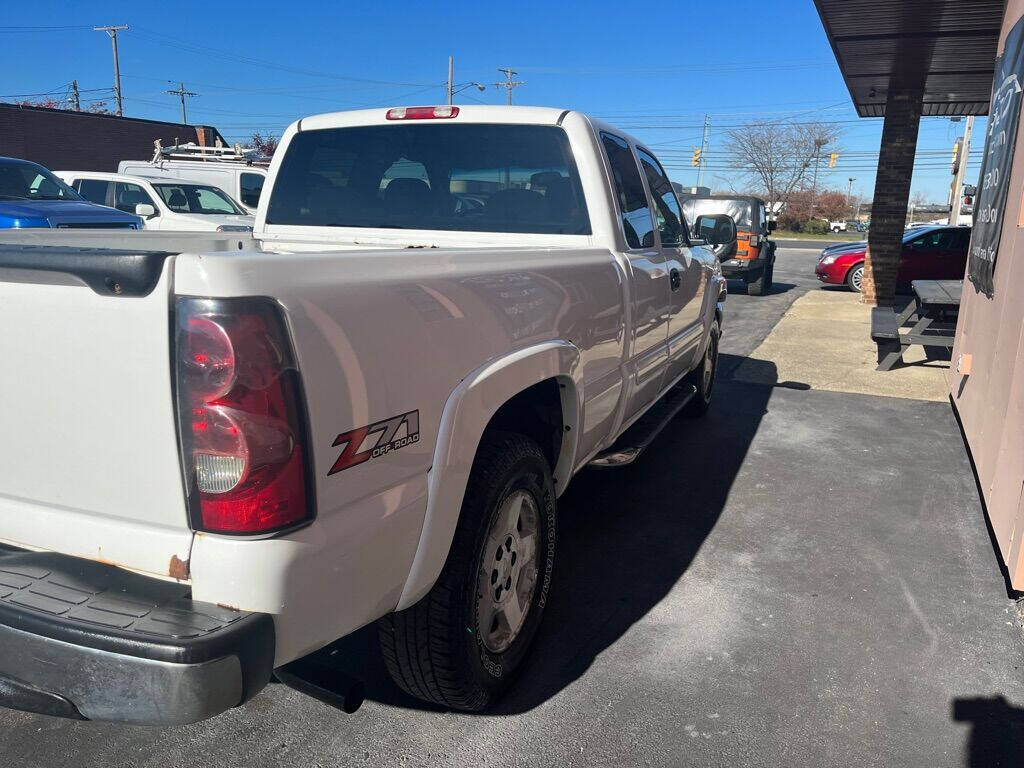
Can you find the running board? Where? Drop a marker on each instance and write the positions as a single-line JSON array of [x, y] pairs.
[[641, 433]]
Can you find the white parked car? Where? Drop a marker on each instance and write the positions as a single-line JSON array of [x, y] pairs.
[[219, 460], [243, 182], [837, 226], [164, 204]]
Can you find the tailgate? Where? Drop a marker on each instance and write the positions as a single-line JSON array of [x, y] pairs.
[[89, 462]]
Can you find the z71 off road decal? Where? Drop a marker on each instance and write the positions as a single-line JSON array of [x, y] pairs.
[[376, 439]]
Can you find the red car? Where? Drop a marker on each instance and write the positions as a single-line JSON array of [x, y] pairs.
[[929, 253]]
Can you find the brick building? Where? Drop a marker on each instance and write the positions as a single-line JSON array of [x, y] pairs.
[[82, 141]]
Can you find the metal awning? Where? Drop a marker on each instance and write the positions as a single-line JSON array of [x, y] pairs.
[[951, 44]]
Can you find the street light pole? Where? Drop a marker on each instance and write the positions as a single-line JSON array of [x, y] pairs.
[[112, 31], [703, 151]]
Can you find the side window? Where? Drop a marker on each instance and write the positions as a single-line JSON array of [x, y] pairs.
[[127, 196], [629, 188], [962, 239], [252, 185], [763, 220], [211, 202], [666, 205], [93, 190]]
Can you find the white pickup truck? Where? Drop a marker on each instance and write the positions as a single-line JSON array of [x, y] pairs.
[[223, 453]]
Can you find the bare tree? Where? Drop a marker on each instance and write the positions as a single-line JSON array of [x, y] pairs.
[[780, 158], [917, 200], [265, 145]]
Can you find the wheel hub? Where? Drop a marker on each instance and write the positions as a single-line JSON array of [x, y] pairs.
[[508, 572]]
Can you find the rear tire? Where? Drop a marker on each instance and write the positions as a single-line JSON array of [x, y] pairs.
[[703, 377], [763, 284], [855, 278], [461, 645]]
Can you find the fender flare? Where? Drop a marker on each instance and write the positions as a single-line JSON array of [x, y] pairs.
[[466, 414]]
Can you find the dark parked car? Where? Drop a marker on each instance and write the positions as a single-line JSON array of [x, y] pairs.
[[752, 260], [929, 253]]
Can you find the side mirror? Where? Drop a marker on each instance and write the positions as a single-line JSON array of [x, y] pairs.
[[715, 229], [772, 226], [145, 210]]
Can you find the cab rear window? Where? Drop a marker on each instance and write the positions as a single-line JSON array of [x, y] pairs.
[[470, 177]]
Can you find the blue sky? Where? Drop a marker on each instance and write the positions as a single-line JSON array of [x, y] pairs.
[[655, 70]]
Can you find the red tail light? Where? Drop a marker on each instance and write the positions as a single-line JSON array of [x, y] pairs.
[[240, 417]]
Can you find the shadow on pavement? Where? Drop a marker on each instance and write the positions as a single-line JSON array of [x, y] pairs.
[[997, 732], [626, 536], [738, 287]]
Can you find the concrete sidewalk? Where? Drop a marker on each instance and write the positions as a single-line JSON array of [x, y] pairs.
[[824, 341]]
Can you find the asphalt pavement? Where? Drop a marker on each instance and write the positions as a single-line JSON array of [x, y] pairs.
[[801, 578]]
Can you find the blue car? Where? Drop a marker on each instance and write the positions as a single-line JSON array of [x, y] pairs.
[[31, 196]]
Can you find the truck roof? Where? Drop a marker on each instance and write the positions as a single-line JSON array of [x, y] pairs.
[[473, 113]]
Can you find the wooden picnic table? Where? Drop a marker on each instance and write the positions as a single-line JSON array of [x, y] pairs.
[[931, 317]]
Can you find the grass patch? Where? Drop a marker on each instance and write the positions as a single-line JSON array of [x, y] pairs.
[[782, 234]]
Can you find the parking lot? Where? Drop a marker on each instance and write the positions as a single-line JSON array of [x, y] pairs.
[[817, 588]]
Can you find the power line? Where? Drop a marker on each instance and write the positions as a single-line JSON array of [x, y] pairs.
[[218, 53], [44, 29]]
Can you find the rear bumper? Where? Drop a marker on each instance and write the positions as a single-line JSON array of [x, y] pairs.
[[91, 641], [740, 269]]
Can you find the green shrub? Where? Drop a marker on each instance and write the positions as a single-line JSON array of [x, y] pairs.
[[815, 227]]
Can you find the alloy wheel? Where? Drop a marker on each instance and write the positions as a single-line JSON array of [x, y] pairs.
[[508, 572]]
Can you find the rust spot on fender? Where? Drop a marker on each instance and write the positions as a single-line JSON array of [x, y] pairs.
[[229, 607], [178, 569]]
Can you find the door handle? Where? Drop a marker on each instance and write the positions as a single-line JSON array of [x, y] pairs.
[[674, 279]]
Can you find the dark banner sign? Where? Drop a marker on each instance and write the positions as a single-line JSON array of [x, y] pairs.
[[1000, 140]]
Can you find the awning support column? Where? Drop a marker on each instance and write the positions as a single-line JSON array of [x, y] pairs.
[[892, 193]]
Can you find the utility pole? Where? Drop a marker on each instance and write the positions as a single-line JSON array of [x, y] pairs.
[[451, 77], [703, 151], [76, 103], [182, 93], [509, 83], [849, 192], [112, 31], [956, 194]]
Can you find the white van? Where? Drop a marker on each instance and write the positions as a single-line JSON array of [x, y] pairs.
[[165, 204], [243, 182]]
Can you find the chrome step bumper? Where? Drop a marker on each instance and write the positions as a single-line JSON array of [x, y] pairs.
[[91, 641]]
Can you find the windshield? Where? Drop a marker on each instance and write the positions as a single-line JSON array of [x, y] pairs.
[[21, 180], [469, 177], [738, 210], [197, 198]]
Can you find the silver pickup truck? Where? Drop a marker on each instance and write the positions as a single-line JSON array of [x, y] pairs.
[[223, 453]]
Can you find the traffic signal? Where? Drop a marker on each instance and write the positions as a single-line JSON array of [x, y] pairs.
[[832, 159], [695, 160], [968, 195]]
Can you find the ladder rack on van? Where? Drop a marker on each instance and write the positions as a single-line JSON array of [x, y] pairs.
[[236, 155]]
